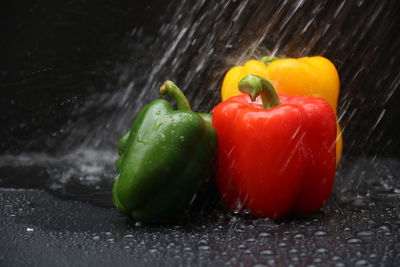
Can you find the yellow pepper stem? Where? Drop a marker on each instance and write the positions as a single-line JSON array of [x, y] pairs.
[[267, 60]]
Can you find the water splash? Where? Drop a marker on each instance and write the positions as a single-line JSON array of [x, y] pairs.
[[83, 174]]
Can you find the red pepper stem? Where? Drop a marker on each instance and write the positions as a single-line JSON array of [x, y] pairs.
[[257, 86], [170, 89], [268, 60]]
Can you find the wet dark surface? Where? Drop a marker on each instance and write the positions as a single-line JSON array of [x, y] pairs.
[[74, 74], [355, 228]]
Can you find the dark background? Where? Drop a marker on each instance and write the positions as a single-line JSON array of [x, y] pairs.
[[55, 55]]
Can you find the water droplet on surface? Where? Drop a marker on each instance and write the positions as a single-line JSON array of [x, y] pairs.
[[282, 245], [298, 236], [320, 233], [354, 241], [271, 262], [242, 246], [321, 251], [264, 234], [204, 248], [336, 258], [361, 262], [317, 260], [247, 251], [383, 228], [142, 140], [359, 202], [162, 135], [202, 242], [266, 252], [365, 233], [373, 256]]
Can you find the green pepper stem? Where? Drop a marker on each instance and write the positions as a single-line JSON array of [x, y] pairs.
[[257, 86], [268, 60], [170, 89]]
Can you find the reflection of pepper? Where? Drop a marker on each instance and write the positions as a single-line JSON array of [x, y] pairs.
[[164, 159], [274, 157], [307, 76]]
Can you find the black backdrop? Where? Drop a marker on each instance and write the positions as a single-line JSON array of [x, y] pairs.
[[55, 55]]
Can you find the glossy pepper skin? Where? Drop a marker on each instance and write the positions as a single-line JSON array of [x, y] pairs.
[[275, 156], [165, 159], [307, 76]]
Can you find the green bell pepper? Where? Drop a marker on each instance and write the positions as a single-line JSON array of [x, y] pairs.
[[165, 159]]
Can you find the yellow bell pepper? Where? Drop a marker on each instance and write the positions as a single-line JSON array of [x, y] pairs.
[[307, 76]]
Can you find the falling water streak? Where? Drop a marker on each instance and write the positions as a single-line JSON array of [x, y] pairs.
[[379, 119], [293, 152], [371, 132], [339, 9], [394, 85], [291, 14]]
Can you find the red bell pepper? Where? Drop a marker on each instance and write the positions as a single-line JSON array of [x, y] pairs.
[[276, 153]]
